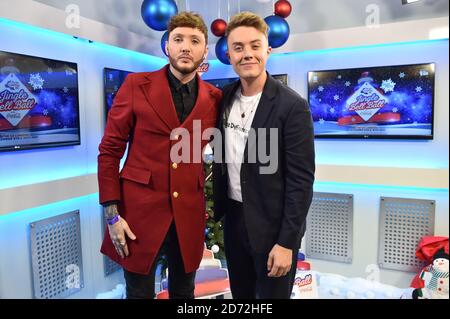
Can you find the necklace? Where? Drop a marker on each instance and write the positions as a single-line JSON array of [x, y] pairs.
[[243, 112]]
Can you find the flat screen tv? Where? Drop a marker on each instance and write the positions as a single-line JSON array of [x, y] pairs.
[[39, 105], [112, 80], [220, 83], [386, 102]]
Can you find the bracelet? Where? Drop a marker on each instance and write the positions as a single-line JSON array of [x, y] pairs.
[[113, 220]]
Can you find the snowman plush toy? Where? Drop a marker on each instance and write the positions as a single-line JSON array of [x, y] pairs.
[[435, 278]]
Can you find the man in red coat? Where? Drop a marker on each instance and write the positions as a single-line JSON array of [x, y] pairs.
[[156, 200]]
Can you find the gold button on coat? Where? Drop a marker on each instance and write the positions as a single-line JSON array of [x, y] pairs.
[[174, 165], [175, 194]]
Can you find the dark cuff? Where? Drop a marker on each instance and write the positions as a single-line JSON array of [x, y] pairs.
[[111, 202]]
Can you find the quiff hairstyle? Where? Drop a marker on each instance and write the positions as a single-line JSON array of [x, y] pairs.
[[248, 19], [189, 20]]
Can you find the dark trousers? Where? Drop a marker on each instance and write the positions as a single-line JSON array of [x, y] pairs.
[[181, 284], [248, 270]]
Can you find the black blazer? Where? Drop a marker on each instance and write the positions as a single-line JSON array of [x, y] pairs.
[[276, 204]]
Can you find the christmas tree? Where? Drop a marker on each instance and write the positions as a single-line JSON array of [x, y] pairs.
[[214, 230]]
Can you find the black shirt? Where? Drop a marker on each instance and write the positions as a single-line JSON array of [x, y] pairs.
[[184, 96]]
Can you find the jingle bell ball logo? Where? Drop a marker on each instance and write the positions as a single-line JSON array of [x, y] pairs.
[[15, 100], [303, 281], [203, 68], [366, 101]]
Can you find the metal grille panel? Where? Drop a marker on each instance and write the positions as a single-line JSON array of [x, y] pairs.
[[403, 222], [56, 256], [109, 266], [329, 229]]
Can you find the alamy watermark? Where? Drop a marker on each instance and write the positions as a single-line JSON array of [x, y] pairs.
[[73, 16], [73, 277], [188, 148], [373, 17]]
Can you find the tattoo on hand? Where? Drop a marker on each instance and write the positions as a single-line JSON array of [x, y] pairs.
[[111, 211]]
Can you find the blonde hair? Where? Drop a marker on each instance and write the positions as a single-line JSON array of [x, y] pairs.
[[248, 19], [189, 20]]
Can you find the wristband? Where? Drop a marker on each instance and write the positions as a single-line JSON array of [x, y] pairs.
[[113, 220]]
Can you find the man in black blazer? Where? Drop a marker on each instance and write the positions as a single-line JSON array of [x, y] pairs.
[[265, 199]]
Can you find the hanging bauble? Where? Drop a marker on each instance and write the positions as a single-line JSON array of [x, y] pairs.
[[283, 8], [221, 50], [218, 27], [215, 249], [206, 216], [278, 31], [157, 13], [206, 231], [164, 39]]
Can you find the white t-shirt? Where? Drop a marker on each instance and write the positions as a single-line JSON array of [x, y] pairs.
[[236, 134]]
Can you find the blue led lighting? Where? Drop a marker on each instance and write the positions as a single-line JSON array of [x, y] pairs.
[[378, 187], [362, 47], [351, 48], [42, 177], [69, 38], [61, 206]]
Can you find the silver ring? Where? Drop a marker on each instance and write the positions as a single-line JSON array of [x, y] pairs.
[[123, 244]]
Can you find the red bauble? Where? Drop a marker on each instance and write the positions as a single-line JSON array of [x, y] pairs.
[[283, 8], [206, 216], [218, 27]]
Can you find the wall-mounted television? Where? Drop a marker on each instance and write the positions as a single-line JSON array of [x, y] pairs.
[[112, 80], [221, 83], [39, 105], [383, 102]]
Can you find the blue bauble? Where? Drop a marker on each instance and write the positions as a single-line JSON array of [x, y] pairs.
[[278, 30], [221, 50], [164, 39], [157, 13]]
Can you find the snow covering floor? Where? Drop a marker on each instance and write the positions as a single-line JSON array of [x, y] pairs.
[[333, 286], [330, 286]]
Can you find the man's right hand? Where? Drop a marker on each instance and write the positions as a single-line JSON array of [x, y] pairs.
[[118, 230]]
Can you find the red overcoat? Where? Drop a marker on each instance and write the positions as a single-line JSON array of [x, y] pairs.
[[152, 190]]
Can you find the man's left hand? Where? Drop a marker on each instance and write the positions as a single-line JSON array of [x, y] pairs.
[[279, 262]]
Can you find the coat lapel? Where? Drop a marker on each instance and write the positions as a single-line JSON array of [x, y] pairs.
[[266, 103], [158, 95], [157, 92]]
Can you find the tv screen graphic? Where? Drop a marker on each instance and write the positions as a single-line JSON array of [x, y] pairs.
[[113, 79], [39, 104], [221, 83], [282, 78], [374, 102]]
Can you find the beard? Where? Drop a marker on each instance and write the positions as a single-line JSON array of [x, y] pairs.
[[185, 69]]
